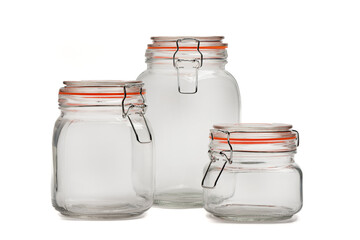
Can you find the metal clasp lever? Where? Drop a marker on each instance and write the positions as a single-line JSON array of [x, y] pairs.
[[297, 137], [207, 171], [126, 113], [213, 159], [187, 69]]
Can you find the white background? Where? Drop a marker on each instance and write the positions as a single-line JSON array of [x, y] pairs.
[[296, 62]]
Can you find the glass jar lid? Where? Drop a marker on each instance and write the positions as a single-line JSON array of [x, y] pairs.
[[101, 88], [255, 137], [187, 43], [186, 48], [254, 127], [101, 93]]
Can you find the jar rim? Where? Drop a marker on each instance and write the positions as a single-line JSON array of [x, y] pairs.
[[271, 135], [101, 83], [170, 43], [99, 88], [175, 38], [254, 127]]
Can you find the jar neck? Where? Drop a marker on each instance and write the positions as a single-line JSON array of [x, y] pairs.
[[166, 64], [98, 111], [273, 158]]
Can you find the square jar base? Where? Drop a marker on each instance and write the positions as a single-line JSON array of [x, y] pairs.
[[89, 213], [252, 213], [179, 200], [250, 219]]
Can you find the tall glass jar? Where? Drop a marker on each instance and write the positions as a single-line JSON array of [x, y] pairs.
[[188, 90], [102, 150], [252, 175]]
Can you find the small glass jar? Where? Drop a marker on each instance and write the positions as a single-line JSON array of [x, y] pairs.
[[102, 150], [186, 80], [252, 175]]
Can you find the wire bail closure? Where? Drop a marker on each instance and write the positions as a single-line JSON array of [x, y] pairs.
[[181, 66], [126, 113], [213, 158], [222, 155]]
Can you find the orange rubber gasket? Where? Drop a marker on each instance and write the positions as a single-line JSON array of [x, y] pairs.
[[253, 140], [78, 104], [106, 97], [100, 94], [184, 48]]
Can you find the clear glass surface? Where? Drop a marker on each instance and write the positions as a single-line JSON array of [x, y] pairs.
[[255, 187], [252, 175], [181, 121], [100, 170]]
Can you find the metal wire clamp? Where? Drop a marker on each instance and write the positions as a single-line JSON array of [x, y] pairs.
[[178, 64], [126, 113], [213, 159], [227, 159]]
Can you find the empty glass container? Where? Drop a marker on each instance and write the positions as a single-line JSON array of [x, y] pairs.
[[188, 89], [252, 175], [102, 150]]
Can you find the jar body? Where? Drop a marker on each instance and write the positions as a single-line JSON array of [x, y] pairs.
[[100, 170], [181, 123], [255, 187]]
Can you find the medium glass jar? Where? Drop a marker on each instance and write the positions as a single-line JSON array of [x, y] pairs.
[[252, 175], [102, 150], [186, 80]]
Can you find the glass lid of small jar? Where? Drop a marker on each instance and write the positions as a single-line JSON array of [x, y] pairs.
[[256, 136], [254, 127]]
